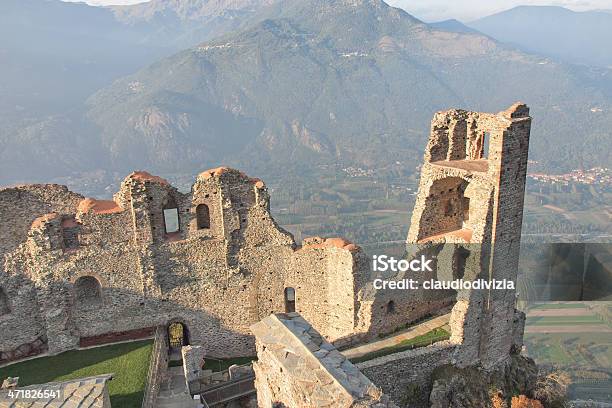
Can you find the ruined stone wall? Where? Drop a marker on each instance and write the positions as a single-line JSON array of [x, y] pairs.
[[20, 323], [507, 222], [95, 268], [20, 206], [464, 190], [113, 267], [21, 327], [470, 204], [385, 311], [297, 368], [406, 376]]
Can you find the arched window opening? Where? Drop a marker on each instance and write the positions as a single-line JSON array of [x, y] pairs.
[[171, 217], [88, 291], [289, 300], [177, 335], [203, 216], [4, 303], [391, 307]]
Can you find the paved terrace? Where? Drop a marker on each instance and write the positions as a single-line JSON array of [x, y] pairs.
[[395, 339]]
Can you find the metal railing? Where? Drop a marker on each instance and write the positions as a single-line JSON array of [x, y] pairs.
[[223, 393]]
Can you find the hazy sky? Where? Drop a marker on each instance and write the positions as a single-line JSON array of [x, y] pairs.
[[465, 10]]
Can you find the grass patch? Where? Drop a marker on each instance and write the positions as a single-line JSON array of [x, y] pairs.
[[129, 362], [426, 339]]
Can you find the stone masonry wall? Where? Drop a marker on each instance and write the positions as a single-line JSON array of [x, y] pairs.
[[472, 201], [97, 269], [464, 191], [400, 374], [297, 368], [21, 327], [89, 269]]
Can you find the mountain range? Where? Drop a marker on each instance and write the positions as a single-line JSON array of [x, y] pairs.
[[296, 83], [571, 36]]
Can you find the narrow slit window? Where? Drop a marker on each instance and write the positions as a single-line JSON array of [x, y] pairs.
[[461, 257], [466, 209], [4, 303], [289, 300], [486, 141], [203, 216]]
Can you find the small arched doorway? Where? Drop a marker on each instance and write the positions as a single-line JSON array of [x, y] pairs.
[[177, 335], [88, 292]]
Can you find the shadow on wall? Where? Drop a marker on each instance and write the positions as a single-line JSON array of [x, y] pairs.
[[96, 315], [391, 309], [184, 325]]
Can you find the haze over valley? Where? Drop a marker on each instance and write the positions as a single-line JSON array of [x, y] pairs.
[[294, 92]]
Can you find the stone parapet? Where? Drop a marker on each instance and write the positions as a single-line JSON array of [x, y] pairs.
[[297, 368]]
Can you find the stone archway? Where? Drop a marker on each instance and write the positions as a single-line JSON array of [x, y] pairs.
[[178, 335]]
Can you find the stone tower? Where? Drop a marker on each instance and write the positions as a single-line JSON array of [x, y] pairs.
[[471, 196]]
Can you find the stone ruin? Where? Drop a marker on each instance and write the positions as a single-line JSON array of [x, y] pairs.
[[297, 367], [79, 271]]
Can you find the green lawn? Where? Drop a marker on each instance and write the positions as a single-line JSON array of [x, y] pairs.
[[426, 339], [129, 362]]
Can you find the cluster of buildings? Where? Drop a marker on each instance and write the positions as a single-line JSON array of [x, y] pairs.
[[599, 176]]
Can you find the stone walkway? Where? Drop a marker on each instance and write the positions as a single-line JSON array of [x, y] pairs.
[[408, 334], [173, 391]]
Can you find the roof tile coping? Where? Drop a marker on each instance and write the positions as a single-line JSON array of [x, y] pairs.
[[274, 328], [146, 176], [323, 243], [218, 171], [91, 205]]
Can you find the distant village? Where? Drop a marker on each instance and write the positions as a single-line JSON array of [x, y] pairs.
[[597, 176]]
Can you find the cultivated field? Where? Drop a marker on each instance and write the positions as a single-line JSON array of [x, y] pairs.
[[575, 337]]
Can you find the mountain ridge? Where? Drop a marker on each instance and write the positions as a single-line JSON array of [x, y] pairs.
[[318, 82], [554, 31]]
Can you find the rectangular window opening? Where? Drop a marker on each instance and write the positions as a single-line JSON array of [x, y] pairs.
[[171, 220]]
